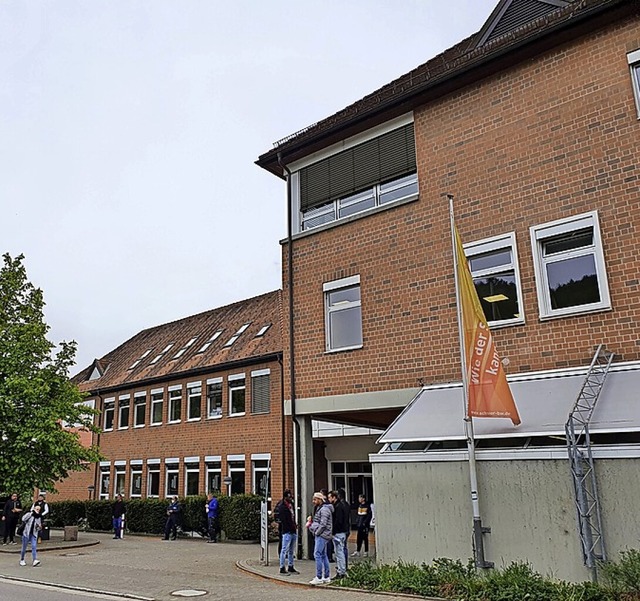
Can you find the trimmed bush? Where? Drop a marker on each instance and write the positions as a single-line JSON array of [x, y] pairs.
[[240, 516], [66, 513]]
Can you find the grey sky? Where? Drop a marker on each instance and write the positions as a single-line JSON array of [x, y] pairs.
[[128, 132]]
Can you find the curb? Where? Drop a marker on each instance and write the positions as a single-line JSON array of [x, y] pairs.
[[57, 547], [79, 589]]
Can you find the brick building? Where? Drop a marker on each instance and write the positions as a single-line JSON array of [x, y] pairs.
[[186, 404], [532, 125]]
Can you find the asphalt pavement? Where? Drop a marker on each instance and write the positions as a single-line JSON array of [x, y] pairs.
[[147, 568]]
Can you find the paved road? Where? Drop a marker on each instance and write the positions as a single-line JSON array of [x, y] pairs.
[[153, 569], [36, 592]]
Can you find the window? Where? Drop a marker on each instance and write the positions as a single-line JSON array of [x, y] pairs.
[[367, 175], [153, 480], [139, 409], [183, 350], [192, 478], [209, 342], [236, 472], [343, 314], [108, 412], [137, 361], [159, 356], [261, 477], [262, 331], [214, 474], [175, 404], [634, 65], [136, 481], [194, 400], [235, 337], [260, 391], [105, 480], [121, 474], [123, 412], [237, 395], [172, 479], [214, 398], [494, 267], [569, 266], [156, 406]]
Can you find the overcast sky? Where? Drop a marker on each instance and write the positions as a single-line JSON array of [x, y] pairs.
[[129, 131]]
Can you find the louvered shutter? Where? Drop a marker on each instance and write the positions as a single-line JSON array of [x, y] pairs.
[[260, 397]]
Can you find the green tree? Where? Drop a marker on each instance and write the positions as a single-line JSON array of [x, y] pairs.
[[37, 399]]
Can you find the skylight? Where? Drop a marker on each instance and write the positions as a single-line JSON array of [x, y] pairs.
[[164, 351], [137, 362], [183, 350], [209, 342], [263, 330], [237, 334]]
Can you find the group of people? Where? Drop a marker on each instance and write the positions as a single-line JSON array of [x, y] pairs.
[[28, 526], [330, 526], [174, 518]]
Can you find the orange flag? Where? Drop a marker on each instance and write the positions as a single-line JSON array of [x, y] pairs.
[[489, 392]]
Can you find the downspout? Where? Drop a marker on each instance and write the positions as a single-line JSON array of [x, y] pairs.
[[97, 465], [292, 378], [283, 445]]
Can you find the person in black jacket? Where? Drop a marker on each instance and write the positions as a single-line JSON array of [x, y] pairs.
[[287, 520], [340, 532], [364, 521], [10, 516], [118, 509]]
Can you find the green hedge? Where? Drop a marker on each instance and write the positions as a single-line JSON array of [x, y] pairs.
[[239, 515]]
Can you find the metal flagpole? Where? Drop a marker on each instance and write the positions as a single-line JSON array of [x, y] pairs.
[[478, 529]]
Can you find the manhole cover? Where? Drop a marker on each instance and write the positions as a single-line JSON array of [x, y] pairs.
[[189, 593]]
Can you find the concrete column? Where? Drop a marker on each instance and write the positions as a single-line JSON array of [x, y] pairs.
[[305, 467]]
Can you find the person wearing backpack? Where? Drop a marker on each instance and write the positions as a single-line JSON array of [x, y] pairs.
[[31, 524]]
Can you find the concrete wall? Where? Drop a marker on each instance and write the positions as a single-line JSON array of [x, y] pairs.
[[423, 511]]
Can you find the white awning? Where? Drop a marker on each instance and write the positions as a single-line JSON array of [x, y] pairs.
[[543, 400]]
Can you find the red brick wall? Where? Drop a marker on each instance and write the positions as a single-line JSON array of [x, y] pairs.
[[260, 433], [553, 137]]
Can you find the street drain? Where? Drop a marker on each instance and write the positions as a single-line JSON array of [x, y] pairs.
[[189, 593]]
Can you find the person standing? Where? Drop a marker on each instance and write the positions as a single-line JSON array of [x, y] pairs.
[[44, 506], [10, 516], [321, 526], [174, 512], [340, 532], [364, 520], [32, 525], [287, 521], [118, 509], [212, 517]]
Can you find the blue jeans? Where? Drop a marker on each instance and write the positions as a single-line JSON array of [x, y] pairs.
[[340, 541], [320, 555], [34, 545], [288, 547], [117, 526]]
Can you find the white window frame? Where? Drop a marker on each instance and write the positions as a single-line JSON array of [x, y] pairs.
[[217, 415], [633, 58], [327, 289], [136, 470], [540, 233], [120, 472], [236, 459], [209, 342], [171, 400], [191, 466], [258, 467], [481, 247], [105, 470], [155, 401], [171, 467], [214, 466], [136, 403], [233, 385], [108, 406], [260, 373], [152, 468], [191, 387], [121, 398]]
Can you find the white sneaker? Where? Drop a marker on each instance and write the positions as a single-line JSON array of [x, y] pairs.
[[326, 580], [36, 562], [316, 581], [23, 562], [366, 554], [355, 554]]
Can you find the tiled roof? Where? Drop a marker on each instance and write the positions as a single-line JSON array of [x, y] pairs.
[[402, 93], [142, 349]]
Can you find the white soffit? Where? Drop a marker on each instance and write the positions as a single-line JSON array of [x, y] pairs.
[[543, 403]]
